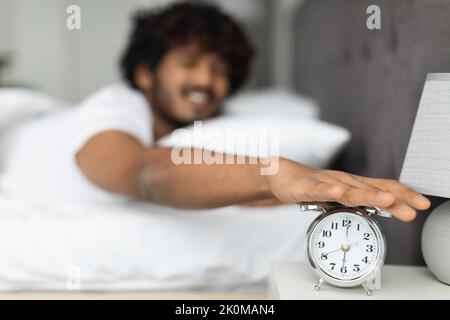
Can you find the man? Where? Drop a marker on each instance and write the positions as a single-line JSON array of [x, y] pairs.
[[180, 64], [185, 60]]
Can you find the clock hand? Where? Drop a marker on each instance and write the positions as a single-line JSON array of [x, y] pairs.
[[340, 248], [333, 251], [343, 260]]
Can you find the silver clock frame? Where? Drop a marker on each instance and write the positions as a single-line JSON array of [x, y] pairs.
[[366, 280]]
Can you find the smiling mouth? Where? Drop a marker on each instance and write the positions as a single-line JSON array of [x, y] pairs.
[[197, 97]]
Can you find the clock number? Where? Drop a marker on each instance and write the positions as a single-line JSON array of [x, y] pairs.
[[321, 244], [356, 268], [324, 256], [369, 248], [358, 227], [343, 269], [366, 236], [332, 265], [334, 225], [346, 223], [365, 260], [326, 233]]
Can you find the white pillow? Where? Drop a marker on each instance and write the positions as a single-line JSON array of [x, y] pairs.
[[308, 141], [17, 104], [271, 102]]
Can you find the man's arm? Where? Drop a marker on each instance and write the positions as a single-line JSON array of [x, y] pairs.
[[117, 162]]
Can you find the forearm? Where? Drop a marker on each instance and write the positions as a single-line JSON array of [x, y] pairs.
[[199, 185]]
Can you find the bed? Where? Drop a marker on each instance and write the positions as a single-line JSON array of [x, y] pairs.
[[51, 243]]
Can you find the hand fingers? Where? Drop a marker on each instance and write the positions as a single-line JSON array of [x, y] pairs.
[[358, 192], [354, 196], [334, 190], [382, 200], [401, 211], [353, 190], [399, 208], [316, 190], [404, 193]]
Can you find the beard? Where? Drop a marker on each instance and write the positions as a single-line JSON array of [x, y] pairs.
[[161, 102]]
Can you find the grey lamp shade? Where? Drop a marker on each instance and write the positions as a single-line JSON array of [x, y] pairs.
[[426, 167]]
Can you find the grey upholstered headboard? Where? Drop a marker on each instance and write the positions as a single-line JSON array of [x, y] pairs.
[[370, 81]]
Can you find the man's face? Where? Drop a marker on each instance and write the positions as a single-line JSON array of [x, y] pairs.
[[189, 84]]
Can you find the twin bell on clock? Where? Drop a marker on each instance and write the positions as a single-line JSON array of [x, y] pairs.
[[345, 245]]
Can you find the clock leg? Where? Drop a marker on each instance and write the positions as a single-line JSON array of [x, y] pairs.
[[369, 291], [373, 283], [318, 285]]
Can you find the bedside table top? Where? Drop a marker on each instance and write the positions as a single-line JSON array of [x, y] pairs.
[[295, 281]]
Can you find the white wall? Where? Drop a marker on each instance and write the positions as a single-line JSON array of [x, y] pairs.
[[66, 63], [32, 35]]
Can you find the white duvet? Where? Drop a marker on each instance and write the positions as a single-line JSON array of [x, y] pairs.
[[137, 246], [142, 246]]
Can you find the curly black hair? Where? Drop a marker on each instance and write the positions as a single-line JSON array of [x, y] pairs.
[[156, 32]]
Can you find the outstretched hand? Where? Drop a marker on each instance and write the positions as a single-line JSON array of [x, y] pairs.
[[295, 183]]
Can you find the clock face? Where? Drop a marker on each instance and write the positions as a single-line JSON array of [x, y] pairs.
[[344, 246]]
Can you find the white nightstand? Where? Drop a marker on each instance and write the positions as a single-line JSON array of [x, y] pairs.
[[296, 280]]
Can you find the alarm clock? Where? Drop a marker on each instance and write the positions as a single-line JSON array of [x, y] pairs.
[[345, 245]]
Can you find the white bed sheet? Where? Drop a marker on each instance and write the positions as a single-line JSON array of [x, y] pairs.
[[143, 246]]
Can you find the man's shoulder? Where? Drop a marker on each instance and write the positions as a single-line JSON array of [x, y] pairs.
[[113, 107], [117, 99]]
